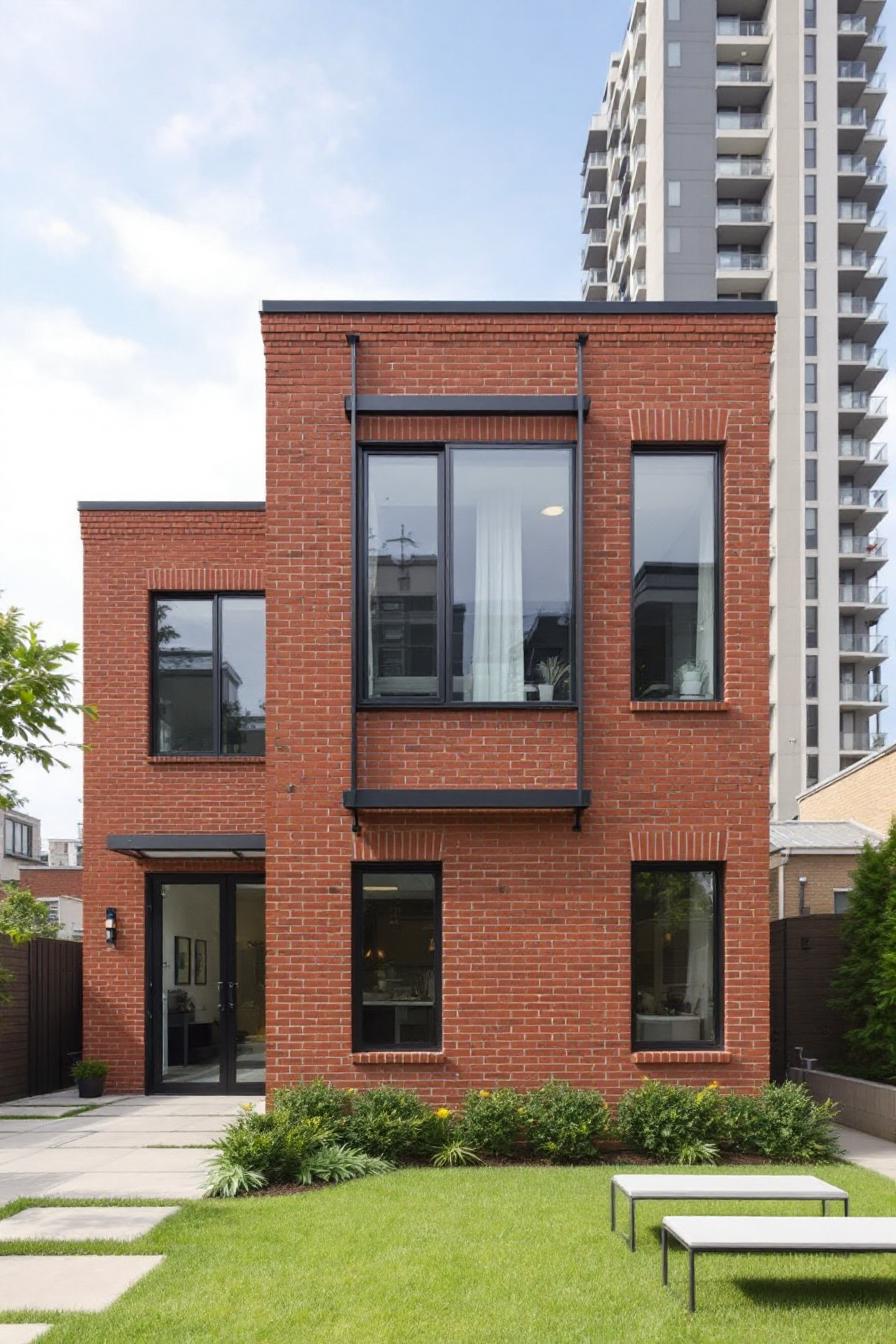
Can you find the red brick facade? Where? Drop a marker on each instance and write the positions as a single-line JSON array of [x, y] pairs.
[[52, 881], [536, 926]]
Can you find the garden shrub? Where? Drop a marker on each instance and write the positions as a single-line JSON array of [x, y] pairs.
[[673, 1123], [258, 1150], [317, 1100], [791, 1126], [563, 1122], [392, 1123], [492, 1122]]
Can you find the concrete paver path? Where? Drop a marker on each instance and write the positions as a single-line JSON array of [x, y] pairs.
[[867, 1151], [90, 1224], [69, 1282], [127, 1148], [21, 1334]]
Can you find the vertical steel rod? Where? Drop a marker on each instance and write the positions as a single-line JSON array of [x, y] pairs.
[[581, 341], [353, 338]]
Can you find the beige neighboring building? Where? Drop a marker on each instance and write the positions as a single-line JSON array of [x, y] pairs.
[[864, 793], [811, 865]]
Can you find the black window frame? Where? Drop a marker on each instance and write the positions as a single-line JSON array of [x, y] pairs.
[[359, 870], [215, 596], [441, 451], [679, 450], [718, 1042]]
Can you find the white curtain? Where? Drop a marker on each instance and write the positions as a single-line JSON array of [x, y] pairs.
[[705, 653], [497, 662], [699, 974]]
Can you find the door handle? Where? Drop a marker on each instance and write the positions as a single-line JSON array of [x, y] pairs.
[[220, 996], [231, 994]]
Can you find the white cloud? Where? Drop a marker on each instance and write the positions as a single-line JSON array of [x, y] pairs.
[[58, 235], [229, 112]]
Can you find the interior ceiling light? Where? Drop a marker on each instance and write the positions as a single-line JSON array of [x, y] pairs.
[[369, 888], [553, 510]]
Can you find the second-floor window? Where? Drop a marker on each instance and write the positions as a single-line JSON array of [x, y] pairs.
[[18, 838], [208, 675], [467, 576], [676, 593]]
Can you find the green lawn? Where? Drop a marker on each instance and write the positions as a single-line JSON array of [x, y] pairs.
[[521, 1255]]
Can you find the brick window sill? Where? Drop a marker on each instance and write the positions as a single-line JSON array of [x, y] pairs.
[[206, 760], [414, 1058], [679, 706], [682, 1057]]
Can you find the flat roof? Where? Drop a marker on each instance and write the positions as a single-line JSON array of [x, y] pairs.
[[806, 836], [168, 505], [579, 307]]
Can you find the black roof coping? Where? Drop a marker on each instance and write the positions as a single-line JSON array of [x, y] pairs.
[[581, 307], [170, 505]]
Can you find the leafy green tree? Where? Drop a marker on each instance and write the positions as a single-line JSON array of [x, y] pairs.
[[864, 988], [36, 692], [22, 918]]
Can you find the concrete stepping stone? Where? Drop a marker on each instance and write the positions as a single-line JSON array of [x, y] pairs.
[[130, 1185], [39, 1113], [51, 1159], [69, 1282], [21, 1334], [137, 1138], [69, 1224]]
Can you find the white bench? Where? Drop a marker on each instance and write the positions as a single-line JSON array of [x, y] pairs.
[[685, 1186], [700, 1235]]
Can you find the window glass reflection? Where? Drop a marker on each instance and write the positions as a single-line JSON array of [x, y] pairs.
[[674, 579], [401, 656], [675, 929], [184, 675], [397, 972], [242, 675], [512, 603]]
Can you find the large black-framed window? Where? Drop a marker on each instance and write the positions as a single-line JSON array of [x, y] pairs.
[[676, 574], [676, 956], [18, 839], [396, 957], [466, 580], [208, 674]]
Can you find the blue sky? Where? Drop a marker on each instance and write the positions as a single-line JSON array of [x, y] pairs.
[[165, 166]]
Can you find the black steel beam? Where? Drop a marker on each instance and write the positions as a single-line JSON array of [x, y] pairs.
[[466, 405], [622, 307], [250, 843], [170, 505], [471, 799]]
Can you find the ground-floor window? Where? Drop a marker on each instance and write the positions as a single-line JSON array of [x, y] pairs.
[[676, 956], [396, 981]]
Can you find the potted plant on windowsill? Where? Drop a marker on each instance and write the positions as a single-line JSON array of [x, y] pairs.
[[90, 1075], [553, 673]]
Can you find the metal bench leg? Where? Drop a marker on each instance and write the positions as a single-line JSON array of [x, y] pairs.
[[824, 1208], [665, 1245], [692, 1291], [612, 1206], [846, 1207], [631, 1224]]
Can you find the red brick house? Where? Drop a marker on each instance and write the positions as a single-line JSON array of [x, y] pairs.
[[496, 809]]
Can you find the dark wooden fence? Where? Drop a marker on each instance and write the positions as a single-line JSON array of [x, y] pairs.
[[805, 953], [40, 1028]]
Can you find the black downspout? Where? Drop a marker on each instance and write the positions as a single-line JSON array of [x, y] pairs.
[[581, 342], [353, 338]]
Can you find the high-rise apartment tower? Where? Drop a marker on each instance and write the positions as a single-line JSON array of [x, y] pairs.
[[737, 154]]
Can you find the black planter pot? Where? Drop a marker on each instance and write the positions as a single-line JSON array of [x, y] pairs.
[[91, 1087]]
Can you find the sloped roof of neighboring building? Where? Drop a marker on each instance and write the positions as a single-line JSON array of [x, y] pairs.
[[847, 836], [848, 770]]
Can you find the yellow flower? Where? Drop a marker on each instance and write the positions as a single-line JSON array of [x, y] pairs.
[[443, 1112], [351, 1090], [246, 1106], [484, 1092]]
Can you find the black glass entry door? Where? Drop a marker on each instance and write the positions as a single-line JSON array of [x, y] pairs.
[[206, 984]]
